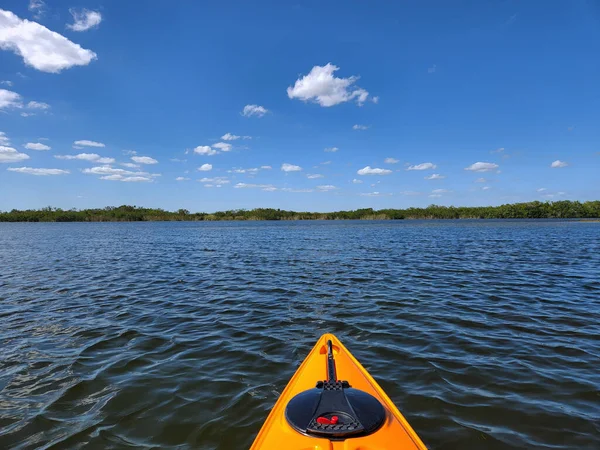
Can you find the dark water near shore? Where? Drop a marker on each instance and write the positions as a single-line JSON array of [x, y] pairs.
[[486, 334]]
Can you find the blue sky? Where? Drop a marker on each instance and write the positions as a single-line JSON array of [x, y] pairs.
[[412, 95]]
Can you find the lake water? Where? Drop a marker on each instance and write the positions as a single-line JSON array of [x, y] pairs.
[[486, 334]]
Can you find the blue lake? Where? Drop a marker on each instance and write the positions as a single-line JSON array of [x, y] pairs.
[[486, 334]]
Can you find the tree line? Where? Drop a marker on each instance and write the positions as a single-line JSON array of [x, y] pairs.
[[564, 209]]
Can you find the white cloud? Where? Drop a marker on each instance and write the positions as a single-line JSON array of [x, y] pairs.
[[229, 137], [360, 127], [6, 83], [181, 179], [251, 171], [435, 176], [374, 194], [215, 180], [108, 170], [312, 176], [264, 187], [498, 150], [144, 160], [38, 7], [134, 179], [86, 143], [322, 87], [373, 171], [84, 20], [38, 105], [129, 152], [485, 188], [355, 181], [39, 47], [391, 161], [24, 114], [541, 189], [10, 155], [422, 166], [480, 180], [482, 167], [435, 195], [9, 99], [130, 165], [35, 171], [223, 146], [296, 190], [290, 167], [111, 174], [266, 167], [92, 157], [4, 138], [440, 191], [36, 146], [326, 187], [558, 164], [432, 69], [205, 167], [205, 150], [254, 110], [331, 149], [375, 99]]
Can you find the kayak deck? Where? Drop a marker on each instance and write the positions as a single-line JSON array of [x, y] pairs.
[[276, 433]]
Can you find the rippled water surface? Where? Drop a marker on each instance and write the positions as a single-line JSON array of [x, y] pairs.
[[486, 334]]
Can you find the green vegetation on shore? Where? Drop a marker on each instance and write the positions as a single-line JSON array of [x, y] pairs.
[[533, 210]]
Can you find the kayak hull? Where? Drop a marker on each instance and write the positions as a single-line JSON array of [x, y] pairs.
[[276, 433]]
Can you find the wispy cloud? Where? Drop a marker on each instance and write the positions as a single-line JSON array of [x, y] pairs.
[[37, 146], [217, 181], [322, 87], [558, 164], [182, 179], [84, 19], [326, 187], [230, 137], [432, 69], [87, 143], [264, 187], [356, 181], [373, 171], [205, 150], [422, 166], [435, 176], [391, 161], [37, 8], [482, 167], [331, 149], [222, 146], [254, 110], [92, 157], [290, 167], [360, 127], [312, 176], [38, 105], [39, 172], [205, 167], [144, 160], [375, 194]]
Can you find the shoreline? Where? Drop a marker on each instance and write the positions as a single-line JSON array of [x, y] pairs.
[[565, 209]]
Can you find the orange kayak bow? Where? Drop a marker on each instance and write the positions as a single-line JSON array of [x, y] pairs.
[[332, 403]]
